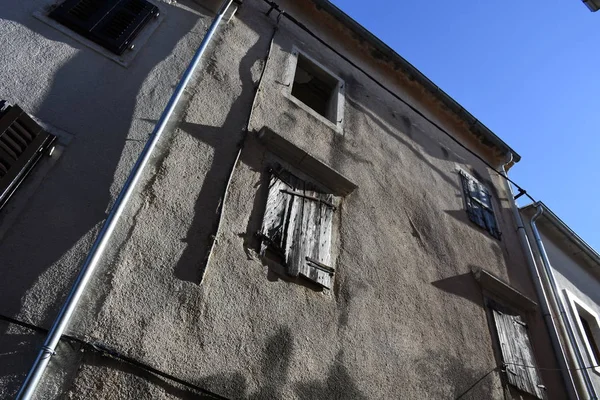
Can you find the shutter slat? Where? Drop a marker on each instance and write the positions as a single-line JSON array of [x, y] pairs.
[[293, 240], [273, 220], [517, 353]]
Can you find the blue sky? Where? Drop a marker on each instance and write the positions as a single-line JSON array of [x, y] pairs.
[[529, 70]]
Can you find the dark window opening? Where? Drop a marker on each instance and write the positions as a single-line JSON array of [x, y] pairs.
[[587, 330], [316, 88], [22, 143], [113, 24]]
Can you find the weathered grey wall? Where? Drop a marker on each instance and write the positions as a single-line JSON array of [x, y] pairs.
[[571, 274], [110, 111], [405, 319]]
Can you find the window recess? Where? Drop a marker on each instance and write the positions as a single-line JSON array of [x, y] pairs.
[[113, 24], [479, 204], [297, 227], [317, 88], [519, 364], [22, 143]]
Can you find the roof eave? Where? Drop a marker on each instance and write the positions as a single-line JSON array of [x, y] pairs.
[[486, 136]]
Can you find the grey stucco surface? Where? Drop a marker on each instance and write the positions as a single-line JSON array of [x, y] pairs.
[[570, 274], [405, 318]]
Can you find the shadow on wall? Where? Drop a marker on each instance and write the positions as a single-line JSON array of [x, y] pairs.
[[463, 285], [95, 99], [275, 362], [225, 141]]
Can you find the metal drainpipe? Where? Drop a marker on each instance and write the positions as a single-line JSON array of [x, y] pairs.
[[561, 309], [541, 293], [62, 320]]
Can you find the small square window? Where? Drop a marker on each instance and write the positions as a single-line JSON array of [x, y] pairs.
[[112, 24], [297, 227], [316, 88], [478, 203]]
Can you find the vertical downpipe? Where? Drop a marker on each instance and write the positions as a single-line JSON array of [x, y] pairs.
[[568, 377], [561, 308], [64, 316]]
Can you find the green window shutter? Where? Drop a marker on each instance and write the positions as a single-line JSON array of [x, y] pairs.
[[517, 353]]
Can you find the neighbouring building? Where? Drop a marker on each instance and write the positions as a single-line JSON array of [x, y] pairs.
[[572, 277], [319, 221]]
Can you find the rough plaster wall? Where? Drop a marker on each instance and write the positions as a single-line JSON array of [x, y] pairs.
[[110, 110], [405, 319]]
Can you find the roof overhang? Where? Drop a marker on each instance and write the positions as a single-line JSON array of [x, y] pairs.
[[580, 249], [478, 129]]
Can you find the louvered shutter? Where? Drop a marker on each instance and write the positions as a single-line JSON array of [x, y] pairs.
[[297, 225], [22, 144], [488, 212], [113, 24], [471, 191], [517, 354], [479, 204]]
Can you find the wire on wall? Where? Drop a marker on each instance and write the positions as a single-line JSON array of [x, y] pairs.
[[275, 6], [108, 352]]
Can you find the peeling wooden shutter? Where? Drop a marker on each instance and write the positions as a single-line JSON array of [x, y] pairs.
[[316, 244], [113, 24], [22, 144], [297, 225], [517, 354]]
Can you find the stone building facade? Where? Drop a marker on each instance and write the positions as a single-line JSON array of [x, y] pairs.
[[402, 295]]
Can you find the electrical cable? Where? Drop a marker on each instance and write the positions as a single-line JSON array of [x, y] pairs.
[[106, 351], [477, 382], [275, 6]]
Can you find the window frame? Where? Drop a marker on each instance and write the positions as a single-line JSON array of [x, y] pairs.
[[123, 60], [339, 91], [465, 177], [575, 305]]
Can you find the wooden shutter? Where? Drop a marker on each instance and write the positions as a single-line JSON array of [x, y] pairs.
[[113, 24], [297, 226], [517, 354], [479, 205], [22, 144]]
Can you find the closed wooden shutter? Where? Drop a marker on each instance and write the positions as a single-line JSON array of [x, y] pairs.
[[479, 205], [517, 354], [22, 144], [297, 226], [113, 24]]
